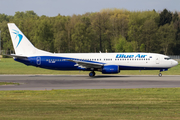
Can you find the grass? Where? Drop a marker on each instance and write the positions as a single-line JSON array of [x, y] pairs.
[[104, 104], [9, 66], [8, 83]]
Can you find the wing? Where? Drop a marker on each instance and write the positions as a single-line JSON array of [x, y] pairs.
[[86, 64]]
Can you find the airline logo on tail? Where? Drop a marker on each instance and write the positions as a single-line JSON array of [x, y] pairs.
[[19, 35]]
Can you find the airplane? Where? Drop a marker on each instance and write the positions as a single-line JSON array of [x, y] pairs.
[[107, 63]]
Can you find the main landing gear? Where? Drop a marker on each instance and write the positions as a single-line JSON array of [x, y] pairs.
[[92, 74]]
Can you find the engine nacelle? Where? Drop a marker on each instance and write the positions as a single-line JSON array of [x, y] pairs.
[[110, 69]]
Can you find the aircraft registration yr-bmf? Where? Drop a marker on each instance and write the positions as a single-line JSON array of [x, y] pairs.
[[107, 63]]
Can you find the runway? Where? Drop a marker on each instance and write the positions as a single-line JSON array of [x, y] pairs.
[[49, 82]]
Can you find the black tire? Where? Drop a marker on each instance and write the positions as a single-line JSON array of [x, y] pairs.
[[92, 74], [160, 75]]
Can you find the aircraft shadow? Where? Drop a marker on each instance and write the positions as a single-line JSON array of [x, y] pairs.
[[107, 76]]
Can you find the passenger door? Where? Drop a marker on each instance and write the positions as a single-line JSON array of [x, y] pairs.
[[157, 59]]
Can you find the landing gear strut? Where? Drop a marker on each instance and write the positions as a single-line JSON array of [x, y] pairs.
[[160, 75], [92, 74], [165, 69]]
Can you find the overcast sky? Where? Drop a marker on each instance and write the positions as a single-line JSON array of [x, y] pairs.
[[70, 7]]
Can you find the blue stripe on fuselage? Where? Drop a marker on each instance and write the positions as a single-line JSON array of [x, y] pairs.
[[56, 63]]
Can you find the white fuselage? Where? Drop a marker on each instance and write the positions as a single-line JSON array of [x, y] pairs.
[[126, 61]]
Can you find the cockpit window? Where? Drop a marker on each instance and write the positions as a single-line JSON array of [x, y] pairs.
[[167, 58]]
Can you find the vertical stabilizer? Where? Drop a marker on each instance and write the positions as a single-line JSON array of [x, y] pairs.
[[21, 44]]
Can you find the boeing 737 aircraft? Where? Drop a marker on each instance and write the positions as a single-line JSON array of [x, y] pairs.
[[107, 63]]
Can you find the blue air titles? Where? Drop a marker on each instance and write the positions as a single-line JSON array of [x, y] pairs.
[[130, 56], [124, 56]]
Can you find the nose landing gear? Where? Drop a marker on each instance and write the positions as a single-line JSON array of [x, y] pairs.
[[161, 70], [92, 74], [160, 75]]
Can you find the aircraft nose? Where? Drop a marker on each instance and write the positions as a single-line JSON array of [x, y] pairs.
[[174, 63]]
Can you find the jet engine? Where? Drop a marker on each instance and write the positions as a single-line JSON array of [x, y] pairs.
[[110, 69]]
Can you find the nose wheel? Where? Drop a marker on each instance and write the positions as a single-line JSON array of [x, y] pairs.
[[92, 74], [160, 75]]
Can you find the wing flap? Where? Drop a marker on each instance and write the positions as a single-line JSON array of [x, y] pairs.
[[86, 64]]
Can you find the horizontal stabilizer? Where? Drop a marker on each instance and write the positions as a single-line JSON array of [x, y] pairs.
[[17, 56]]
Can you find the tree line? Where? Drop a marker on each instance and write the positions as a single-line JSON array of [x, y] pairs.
[[112, 30]]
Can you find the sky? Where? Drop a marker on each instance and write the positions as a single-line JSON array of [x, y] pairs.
[[69, 7]]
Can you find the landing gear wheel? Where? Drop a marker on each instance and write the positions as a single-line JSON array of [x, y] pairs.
[[160, 75], [92, 74]]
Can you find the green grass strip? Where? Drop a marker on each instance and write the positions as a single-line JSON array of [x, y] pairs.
[[8, 83], [104, 104]]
